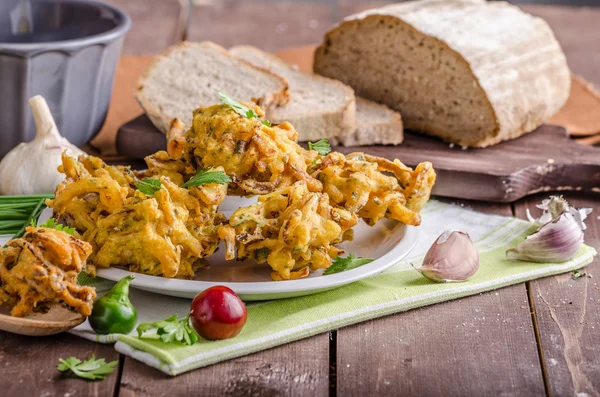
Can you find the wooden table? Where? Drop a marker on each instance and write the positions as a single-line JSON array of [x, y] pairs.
[[536, 338]]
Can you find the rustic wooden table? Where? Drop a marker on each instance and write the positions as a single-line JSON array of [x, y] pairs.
[[536, 338]]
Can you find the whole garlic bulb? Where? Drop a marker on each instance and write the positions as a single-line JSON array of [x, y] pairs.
[[31, 168], [558, 238], [452, 257]]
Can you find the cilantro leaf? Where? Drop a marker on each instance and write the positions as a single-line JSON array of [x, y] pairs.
[[321, 146], [236, 106], [348, 263], [577, 274], [240, 108], [148, 186], [206, 176], [91, 368], [171, 330], [51, 224]]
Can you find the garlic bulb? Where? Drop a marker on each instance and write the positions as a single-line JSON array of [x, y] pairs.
[[559, 237], [452, 257], [31, 168]]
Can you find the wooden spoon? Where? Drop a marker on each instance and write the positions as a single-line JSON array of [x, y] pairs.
[[58, 319]]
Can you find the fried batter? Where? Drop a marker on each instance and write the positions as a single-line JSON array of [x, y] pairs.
[[42, 268], [91, 189], [258, 158], [358, 183], [291, 229], [164, 235]]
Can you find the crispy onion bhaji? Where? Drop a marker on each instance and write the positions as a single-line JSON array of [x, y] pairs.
[[166, 235], [42, 268], [374, 187], [291, 229], [258, 158], [90, 190]]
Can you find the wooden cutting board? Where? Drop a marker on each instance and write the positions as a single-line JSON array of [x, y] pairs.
[[544, 160]]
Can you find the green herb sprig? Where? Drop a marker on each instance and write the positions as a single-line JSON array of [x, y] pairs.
[[321, 146], [207, 176], [51, 224], [348, 263], [240, 108], [577, 274], [148, 186], [171, 330], [91, 368]]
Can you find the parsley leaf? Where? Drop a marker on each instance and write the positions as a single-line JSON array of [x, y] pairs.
[[240, 108], [577, 274], [321, 146], [91, 368], [206, 176], [348, 263], [51, 224], [148, 186], [171, 329]]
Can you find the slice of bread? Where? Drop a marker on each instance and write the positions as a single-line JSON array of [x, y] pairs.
[[186, 76], [471, 72], [377, 125], [319, 107]]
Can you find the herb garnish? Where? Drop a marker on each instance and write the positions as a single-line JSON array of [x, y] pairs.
[[148, 186], [240, 108], [51, 224], [321, 146], [577, 274], [171, 329], [206, 176], [348, 263], [91, 368]]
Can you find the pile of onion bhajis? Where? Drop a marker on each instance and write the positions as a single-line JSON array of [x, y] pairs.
[[164, 221]]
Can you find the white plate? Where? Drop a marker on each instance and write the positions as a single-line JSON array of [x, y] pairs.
[[388, 242]]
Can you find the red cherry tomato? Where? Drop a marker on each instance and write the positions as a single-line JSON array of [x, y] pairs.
[[218, 313]]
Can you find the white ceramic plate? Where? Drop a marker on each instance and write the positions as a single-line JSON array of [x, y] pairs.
[[387, 242]]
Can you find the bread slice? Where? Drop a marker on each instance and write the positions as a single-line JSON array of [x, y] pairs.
[[319, 107], [471, 72], [186, 76], [377, 125]]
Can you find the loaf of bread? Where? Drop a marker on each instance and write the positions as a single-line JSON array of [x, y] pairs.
[[468, 71], [187, 75], [324, 108]]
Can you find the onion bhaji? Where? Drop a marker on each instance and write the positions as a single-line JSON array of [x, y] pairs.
[[258, 158], [164, 235], [291, 229], [374, 187], [42, 268], [90, 190]]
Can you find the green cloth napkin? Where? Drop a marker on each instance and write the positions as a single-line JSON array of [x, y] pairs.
[[398, 289]]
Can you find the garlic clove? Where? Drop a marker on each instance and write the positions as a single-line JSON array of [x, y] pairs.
[[451, 258], [556, 241]]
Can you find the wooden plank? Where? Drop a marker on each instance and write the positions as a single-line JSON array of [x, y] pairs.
[[568, 314], [29, 366], [268, 25], [483, 345], [156, 25], [296, 369]]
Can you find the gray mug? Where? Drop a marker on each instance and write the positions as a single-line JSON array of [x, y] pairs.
[[64, 50]]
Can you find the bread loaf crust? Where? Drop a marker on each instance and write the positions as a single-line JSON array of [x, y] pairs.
[[512, 56]]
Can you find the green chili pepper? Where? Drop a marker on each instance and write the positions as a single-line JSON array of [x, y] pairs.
[[114, 313]]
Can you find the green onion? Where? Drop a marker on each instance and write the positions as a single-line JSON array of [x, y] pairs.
[[17, 212]]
